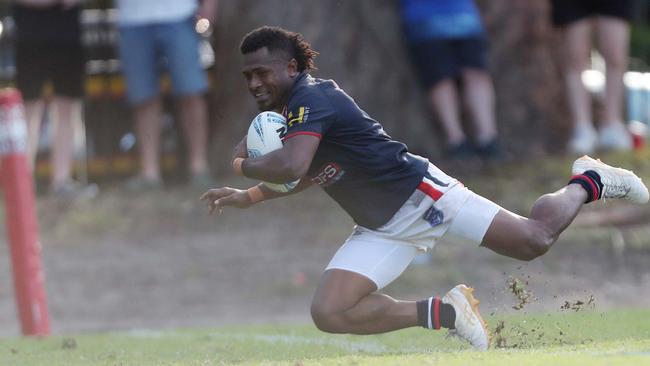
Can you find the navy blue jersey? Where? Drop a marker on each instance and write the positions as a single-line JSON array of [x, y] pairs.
[[357, 163]]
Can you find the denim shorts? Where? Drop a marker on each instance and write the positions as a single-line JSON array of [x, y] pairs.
[[147, 50]]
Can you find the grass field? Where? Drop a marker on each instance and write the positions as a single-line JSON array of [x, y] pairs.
[[620, 337]]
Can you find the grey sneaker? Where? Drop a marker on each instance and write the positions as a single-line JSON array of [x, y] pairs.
[[617, 182], [469, 324], [72, 190]]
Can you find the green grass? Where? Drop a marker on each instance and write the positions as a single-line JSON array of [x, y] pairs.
[[620, 337]]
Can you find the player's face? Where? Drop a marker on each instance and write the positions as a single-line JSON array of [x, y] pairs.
[[269, 78]]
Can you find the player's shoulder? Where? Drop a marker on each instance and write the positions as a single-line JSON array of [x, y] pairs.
[[309, 89]]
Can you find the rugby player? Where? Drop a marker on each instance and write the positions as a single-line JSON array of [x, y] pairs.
[[401, 203]]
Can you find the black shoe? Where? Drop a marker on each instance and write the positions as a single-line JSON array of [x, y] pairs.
[[491, 151], [461, 151]]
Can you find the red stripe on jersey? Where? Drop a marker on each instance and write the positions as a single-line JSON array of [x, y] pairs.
[[320, 137], [430, 191]]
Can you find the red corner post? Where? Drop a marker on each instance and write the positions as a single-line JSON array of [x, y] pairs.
[[22, 226]]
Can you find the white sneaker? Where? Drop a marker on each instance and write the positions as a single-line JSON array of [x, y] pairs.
[[614, 137], [469, 324], [617, 182], [583, 140]]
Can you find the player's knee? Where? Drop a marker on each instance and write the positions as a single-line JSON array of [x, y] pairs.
[[327, 318]]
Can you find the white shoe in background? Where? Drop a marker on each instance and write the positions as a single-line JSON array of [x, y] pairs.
[[614, 137], [584, 139]]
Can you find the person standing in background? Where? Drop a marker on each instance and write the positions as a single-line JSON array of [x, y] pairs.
[[48, 48], [447, 42], [152, 31], [607, 20]]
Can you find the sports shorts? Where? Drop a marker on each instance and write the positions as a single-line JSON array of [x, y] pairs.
[[565, 12], [440, 208], [60, 63], [439, 59], [147, 50]]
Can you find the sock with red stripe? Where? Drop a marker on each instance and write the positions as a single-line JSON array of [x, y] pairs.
[[433, 314], [590, 181]]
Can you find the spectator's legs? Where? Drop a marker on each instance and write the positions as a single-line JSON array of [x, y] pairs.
[[613, 39], [148, 117], [194, 117], [577, 38], [34, 115], [444, 99], [578, 46], [66, 113], [478, 94]]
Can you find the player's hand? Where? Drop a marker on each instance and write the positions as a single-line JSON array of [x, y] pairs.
[[241, 150], [218, 198]]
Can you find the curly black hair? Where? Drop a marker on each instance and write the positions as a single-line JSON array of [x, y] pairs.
[[280, 39]]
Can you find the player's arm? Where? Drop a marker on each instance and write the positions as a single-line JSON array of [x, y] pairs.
[[287, 164], [218, 198]]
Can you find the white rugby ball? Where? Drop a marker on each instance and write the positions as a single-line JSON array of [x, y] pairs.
[[263, 137]]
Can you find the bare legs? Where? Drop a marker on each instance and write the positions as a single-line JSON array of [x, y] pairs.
[[346, 302], [65, 115], [613, 39], [193, 115], [577, 47], [612, 35], [478, 96], [527, 238]]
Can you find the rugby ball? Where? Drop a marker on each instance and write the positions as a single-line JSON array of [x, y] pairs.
[[264, 136]]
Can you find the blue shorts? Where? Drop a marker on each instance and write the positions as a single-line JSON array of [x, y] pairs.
[[147, 50], [440, 59]]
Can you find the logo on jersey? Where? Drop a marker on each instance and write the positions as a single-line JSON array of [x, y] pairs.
[[300, 116], [329, 174], [434, 216]]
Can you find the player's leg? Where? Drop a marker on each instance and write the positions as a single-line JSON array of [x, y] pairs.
[[345, 300], [189, 83], [527, 238]]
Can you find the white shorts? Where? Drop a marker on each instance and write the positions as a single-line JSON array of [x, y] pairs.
[[440, 208]]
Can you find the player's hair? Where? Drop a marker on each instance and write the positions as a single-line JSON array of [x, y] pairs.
[[280, 39]]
